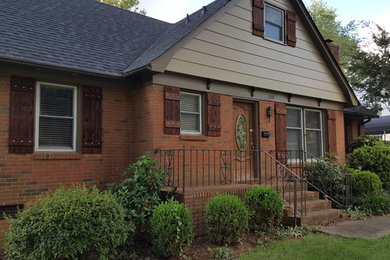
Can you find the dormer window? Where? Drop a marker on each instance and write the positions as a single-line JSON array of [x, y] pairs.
[[274, 23]]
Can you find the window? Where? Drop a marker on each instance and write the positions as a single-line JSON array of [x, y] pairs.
[[274, 23], [55, 117], [304, 131], [190, 113]]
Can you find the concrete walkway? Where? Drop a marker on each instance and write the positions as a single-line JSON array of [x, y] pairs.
[[372, 227]]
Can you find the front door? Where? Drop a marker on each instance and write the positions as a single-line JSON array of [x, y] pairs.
[[244, 137]]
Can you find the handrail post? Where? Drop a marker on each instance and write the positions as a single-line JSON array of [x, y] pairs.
[[184, 169], [295, 202]]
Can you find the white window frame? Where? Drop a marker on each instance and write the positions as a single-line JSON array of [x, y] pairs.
[[321, 130], [266, 5], [304, 128], [38, 114], [193, 113]]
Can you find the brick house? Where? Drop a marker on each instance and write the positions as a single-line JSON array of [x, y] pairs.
[[85, 88]]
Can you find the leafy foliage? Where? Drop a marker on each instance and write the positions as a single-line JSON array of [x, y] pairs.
[[376, 204], [328, 175], [75, 223], [219, 252], [172, 228], [139, 194], [356, 213], [375, 159], [130, 5], [226, 219], [370, 70], [362, 141], [265, 206], [365, 183], [331, 28]]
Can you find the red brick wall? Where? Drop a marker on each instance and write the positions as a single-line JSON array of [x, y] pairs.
[[22, 177]]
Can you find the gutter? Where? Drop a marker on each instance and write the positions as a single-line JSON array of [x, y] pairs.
[[62, 68]]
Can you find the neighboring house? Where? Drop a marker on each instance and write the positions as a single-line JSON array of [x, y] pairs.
[[85, 88], [379, 127]]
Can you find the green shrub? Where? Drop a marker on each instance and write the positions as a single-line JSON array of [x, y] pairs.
[[356, 213], [362, 141], [365, 183], [265, 206], [139, 193], [74, 223], [172, 228], [226, 219], [376, 204], [328, 175], [375, 159]]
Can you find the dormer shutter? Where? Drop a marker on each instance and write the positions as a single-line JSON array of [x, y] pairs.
[[213, 114], [92, 120], [291, 19], [22, 114], [172, 110], [258, 17]]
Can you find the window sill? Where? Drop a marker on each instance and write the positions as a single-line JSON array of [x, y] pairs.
[[56, 156], [186, 137], [275, 41]]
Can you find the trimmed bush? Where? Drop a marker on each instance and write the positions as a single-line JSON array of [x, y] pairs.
[[324, 173], [365, 183], [172, 229], [265, 206], [139, 193], [74, 223], [376, 204], [375, 159], [226, 219]]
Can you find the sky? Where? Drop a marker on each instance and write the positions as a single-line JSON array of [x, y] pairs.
[[348, 10]]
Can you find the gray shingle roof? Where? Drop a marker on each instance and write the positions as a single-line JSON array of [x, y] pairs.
[[378, 125], [88, 36]]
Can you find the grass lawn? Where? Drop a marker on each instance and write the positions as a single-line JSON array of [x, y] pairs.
[[320, 246]]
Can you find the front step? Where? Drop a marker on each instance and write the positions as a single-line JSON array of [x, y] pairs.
[[316, 210], [311, 205]]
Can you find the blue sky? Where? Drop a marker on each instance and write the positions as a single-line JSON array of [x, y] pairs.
[[374, 10]]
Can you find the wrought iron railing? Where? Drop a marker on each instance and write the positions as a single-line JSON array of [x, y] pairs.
[[286, 171]]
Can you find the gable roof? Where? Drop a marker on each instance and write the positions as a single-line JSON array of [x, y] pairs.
[[83, 35], [91, 37]]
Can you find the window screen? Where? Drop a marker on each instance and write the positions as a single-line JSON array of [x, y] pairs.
[[190, 113], [56, 122], [274, 20]]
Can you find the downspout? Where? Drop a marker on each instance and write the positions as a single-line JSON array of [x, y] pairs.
[[363, 123]]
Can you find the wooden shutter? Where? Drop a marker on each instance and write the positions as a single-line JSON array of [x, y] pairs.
[[258, 17], [172, 110], [213, 114], [281, 132], [291, 19], [21, 123], [92, 120], [331, 130]]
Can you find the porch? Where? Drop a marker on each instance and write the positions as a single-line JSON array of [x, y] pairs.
[[199, 174]]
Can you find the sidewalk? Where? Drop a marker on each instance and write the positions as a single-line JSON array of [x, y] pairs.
[[372, 227]]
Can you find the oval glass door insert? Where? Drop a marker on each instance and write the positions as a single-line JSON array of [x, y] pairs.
[[241, 133]]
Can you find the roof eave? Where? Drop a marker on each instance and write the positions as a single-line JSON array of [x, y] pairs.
[[61, 68]]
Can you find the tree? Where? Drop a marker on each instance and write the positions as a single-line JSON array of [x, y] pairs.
[[130, 5], [331, 28], [370, 70]]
